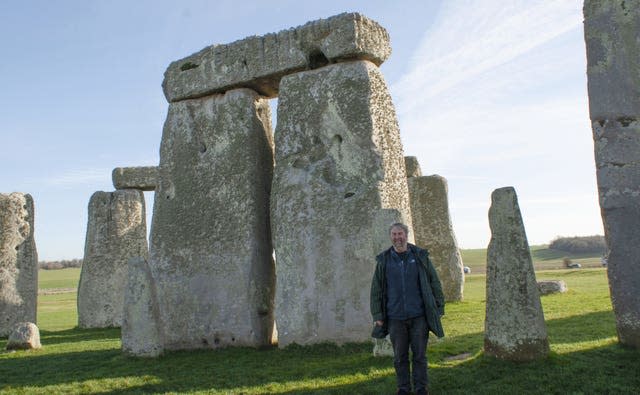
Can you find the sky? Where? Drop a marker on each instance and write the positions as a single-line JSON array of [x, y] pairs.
[[487, 93]]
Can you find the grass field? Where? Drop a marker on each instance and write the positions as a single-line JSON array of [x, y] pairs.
[[542, 257], [585, 357]]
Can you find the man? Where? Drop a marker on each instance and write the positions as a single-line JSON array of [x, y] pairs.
[[407, 298]]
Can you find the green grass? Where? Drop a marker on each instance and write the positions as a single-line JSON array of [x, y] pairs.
[[585, 357], [61, 278], [543, 258]]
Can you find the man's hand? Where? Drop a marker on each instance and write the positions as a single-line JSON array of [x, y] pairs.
[[379, 323]]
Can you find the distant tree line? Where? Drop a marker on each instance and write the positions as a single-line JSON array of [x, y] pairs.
[[579, 244], [53, 265]]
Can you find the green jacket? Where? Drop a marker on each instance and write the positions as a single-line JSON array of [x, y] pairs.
[[430, 288]]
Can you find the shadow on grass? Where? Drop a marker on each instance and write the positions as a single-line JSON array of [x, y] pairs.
[[609, 369], [321, 369], [78, 335]]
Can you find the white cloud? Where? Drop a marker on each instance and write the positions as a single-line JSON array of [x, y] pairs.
[[496, 96]]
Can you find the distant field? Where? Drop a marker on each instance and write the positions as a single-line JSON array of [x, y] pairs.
[[543, 258], [56, 279]]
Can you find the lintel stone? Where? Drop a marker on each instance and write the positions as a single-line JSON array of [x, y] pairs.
[[144, 178], [259, 62]]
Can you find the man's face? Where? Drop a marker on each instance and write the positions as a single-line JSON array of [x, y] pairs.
[[399, 239]]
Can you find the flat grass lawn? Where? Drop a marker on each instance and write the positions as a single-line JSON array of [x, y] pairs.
[[543, 258], [585, 357], [58, 279]]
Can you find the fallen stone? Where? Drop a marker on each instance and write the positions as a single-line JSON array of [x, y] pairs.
[[140, 333], [24, 336], [546, 287], [514, 323], [259, 63], [116, 231], [612, 40], [211, 252], [144, 178], [338, 161], [413, 167], [18, 262], [434, 231]]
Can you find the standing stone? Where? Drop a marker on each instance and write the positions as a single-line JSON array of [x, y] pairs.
[[140, 331], [116, 231], [413, 167], [514, 322], [210, 253], [434, 231], [18, 262], [338, 160], [24, 336], [612, 35]]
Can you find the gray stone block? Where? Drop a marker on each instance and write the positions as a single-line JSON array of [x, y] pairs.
[[612, 35], [141, 335], [116, 231], [211, 253], [144, 178], [259, 63], [24, 336], [413, 167], [547, 287], [514, 322], [612, 38], [18, 262], [433, 230], [338, 161]]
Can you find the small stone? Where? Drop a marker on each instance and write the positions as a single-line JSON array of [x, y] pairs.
[[547, 287], [24, 336]]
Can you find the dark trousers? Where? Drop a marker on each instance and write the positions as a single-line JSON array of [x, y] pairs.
[[405, 334]]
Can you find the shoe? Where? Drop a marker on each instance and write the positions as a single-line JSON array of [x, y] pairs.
[[422, 391], [402, 392]]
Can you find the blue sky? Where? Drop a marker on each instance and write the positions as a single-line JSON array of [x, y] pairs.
[[488, 94]]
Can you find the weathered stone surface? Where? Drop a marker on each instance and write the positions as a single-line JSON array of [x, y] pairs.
[[434, 231], [612, 35], [338, 161], [141, 336], [514, 322], [24, 336], [144, 178], [18, 261], [547, 287], [413, 167], [259, 63], [612, 39], [116, 231], [210, 253]]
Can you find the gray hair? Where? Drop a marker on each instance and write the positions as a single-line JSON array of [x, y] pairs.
[[400, 225]]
